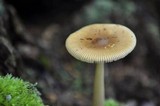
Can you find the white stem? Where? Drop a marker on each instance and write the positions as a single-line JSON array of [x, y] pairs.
[[99, 93]]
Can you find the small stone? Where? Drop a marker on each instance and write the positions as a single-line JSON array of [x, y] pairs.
[[148, 104], [131, 103], [8, 97]]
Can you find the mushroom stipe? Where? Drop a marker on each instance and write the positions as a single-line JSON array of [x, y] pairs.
[[100, 43]]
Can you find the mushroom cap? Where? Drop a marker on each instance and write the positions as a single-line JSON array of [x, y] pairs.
[[101, 43]]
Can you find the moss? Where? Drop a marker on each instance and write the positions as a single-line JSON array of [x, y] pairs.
[[16, 92], [111, 102]]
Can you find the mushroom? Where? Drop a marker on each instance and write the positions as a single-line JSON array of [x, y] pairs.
[[99, 44]]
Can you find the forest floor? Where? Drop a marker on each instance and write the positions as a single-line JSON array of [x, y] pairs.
[[37, 37]]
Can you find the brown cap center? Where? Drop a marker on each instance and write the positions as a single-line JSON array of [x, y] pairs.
[[100, 42]]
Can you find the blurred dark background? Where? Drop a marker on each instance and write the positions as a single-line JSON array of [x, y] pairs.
[[32, 46]]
